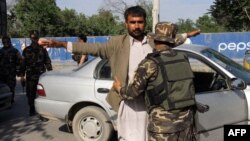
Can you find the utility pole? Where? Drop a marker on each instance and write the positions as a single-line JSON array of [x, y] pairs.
[[155, 13], [3, 17]]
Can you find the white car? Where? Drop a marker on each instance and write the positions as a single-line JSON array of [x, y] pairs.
[[78, 96]]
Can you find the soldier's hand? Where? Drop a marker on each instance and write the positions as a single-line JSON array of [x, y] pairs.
[[193, 33], [47, 43], [116, 84], [52, 43], [44, 42], [202, 108]]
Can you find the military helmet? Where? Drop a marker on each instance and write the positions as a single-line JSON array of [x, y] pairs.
[[165, 32]]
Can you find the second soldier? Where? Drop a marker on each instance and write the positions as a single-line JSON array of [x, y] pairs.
[[10, 60], [36, 61]]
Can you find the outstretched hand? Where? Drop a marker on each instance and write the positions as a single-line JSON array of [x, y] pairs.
[[193, 33], [116, 84], [44, 42], [52, 43]]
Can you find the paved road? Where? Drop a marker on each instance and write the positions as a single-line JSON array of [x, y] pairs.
[[16, 125]]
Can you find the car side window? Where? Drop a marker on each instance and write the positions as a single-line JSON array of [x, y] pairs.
[[105, 71], [205, 77]]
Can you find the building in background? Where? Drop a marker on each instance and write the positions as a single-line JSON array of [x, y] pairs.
[[3, 17]]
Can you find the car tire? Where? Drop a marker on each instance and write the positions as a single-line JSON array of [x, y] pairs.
[[92, 124]]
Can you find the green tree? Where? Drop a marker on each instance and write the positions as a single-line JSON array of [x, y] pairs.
[[13, 24], [104, 23], [41, 15], [207, 24], [82, 26], [148, 6], [185, 25], [72, 23], [232, 14]]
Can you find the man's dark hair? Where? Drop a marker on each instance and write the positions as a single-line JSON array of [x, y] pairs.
[[135, 11], [83, 37], [35, 34], [6, 37]]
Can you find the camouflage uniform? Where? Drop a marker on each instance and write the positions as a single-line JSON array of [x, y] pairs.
[[36, 61], [163, 125], [10, 61]]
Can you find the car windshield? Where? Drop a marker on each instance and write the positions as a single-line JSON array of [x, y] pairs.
[[227, 63], [90, 59]]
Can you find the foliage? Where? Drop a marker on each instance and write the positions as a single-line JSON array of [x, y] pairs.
[[208, 24], [13, 23], [45, 16], [185, 25], [148, 6], [71, 23], [40, 15], [105, 23], [232, 14]]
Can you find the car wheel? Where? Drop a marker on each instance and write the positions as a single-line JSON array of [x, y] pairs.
[[92, 124]]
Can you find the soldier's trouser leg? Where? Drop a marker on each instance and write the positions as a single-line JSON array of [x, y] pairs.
[[13, 96], [11, 82], [185, 135], [31, 94]]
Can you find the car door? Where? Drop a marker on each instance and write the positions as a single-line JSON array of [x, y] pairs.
[[103, 83], [226, 106]]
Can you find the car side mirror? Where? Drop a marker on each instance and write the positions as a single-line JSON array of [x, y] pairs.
[[238, 84]]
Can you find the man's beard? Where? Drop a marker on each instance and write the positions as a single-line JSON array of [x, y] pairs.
[[137, 34]]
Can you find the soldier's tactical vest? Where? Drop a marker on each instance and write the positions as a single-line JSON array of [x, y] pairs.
[[35, 60], [9, 61], [173, 88]]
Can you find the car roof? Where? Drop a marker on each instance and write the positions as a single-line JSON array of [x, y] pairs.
[[191, 47]]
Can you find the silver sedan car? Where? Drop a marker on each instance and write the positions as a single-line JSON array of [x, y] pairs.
[[77, 96]]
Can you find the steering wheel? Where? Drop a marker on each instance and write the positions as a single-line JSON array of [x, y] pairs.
[[215, 77]]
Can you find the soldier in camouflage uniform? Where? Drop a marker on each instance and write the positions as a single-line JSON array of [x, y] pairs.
[[10, 61], [164, 125], [36, 61]]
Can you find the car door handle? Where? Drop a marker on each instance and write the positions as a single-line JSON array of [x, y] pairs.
[[102, 90]]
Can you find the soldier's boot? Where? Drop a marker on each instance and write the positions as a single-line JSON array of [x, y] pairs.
[[32, 106], [32, 111], [13, 98]]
